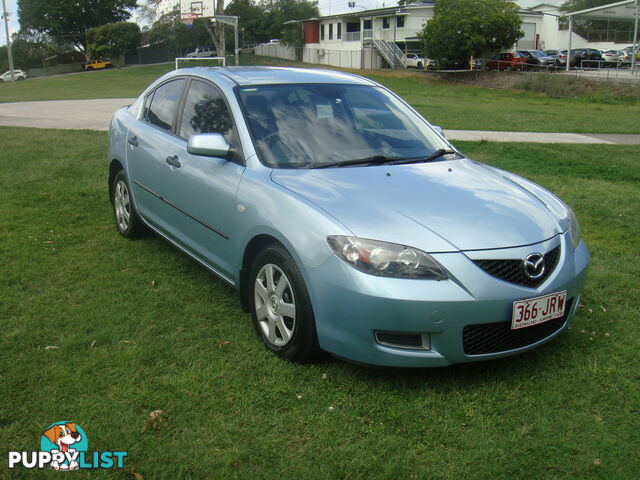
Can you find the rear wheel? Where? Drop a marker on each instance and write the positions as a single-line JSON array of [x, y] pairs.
[[128, 221], [280, 306]]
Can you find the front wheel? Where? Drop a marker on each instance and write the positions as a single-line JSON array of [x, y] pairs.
[[280, 306], [128, 221], [419, 66]]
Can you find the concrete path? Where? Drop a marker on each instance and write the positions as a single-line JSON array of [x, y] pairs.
[[96, 114]]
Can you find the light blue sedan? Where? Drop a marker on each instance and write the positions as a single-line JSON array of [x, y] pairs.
[[345, 220]]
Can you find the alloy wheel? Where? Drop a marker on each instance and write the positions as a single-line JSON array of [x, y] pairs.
[[275, 305]]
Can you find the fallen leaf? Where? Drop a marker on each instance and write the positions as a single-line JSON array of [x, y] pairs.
[[93, 344], [590, 310], [153, 283], [135, 474], [51, 347], [603, 309], [596, 461], [128, 342], [222, 344], [153, 421]]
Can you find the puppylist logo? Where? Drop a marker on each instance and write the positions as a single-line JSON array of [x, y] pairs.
[[64, 446]]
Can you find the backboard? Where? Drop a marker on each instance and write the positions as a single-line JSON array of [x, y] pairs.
[[192, 9]]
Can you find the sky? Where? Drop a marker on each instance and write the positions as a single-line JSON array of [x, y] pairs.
[[12, 14]]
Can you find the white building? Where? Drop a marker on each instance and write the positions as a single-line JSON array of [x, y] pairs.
[[382, 37]]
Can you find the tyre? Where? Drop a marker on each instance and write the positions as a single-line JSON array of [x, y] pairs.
[[280, 306], [20, 79], [127, 220], [89, 69], [419, 66], [107, 67]]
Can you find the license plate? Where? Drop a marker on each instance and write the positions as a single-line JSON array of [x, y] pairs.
[[538, 310]]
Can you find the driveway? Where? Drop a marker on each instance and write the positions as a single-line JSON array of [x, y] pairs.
[[96, 114]]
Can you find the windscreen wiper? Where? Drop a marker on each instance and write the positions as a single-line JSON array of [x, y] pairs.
[[437, 154], [373, 160], [383, 159]]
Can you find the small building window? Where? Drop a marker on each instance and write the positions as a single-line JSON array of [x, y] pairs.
[[339, 31], [386, 22], [331, 31], [366, 25], [400, 22], [322, 32]]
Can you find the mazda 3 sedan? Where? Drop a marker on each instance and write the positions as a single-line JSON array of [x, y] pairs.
[[347, 222]]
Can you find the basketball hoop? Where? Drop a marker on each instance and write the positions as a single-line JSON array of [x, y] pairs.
[[188, 18]]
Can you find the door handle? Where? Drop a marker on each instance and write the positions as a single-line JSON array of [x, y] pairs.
[[133, 141], [173, 161]]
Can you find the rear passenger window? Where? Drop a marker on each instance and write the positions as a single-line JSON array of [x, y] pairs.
[[164, 104], [205, 111]]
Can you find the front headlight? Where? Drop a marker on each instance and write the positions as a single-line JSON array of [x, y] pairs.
[[574, 230], [386, 259]]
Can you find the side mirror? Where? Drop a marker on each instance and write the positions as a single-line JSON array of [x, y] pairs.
[[208, 144], [439, 130]]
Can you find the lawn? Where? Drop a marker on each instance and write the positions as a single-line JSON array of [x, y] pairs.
[[140, 327], [450, 105]]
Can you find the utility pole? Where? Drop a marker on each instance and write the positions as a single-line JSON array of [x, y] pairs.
[[6, 29]]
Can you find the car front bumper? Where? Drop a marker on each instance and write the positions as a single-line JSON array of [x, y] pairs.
[[350, 307]]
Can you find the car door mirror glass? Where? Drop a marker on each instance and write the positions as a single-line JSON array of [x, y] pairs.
[[208, 144]]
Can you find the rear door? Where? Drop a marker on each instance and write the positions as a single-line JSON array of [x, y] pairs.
[[151, 142]]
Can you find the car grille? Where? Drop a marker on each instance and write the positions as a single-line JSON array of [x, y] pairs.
[[512, 271], [498, 337]]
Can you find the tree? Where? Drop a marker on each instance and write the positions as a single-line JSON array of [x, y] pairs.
[[279, 11], [251, 19], [113, 39], [70, 19], [461, 28]]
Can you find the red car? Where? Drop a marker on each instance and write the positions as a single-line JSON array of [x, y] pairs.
[[507, 61]]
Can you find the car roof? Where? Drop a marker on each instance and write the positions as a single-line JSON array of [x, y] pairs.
[[275, 75]]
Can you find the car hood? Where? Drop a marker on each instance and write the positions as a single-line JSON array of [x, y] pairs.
[[440, 206]]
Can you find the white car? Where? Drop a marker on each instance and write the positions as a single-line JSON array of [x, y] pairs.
[[202, 52], [17, 75], [416, 61]]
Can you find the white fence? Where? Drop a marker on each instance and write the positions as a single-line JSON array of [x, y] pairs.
[[351, 59]]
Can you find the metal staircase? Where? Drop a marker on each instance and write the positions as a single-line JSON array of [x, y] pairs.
[[390, 52]]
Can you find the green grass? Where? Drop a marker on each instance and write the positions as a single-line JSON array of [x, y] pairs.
[[450, 105], [231, 410]]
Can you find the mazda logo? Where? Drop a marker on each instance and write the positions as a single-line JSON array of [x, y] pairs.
[[534, 266]]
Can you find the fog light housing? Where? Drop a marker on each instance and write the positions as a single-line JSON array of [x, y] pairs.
[[410, 341]]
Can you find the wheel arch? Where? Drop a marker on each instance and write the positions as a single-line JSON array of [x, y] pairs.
[[252, 249], [114, 167]]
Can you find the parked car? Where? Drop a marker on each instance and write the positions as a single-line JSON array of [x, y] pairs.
[[413, 60], [17, 75], [559, 57], [97, 65], [629, 52], [536, 59], [345, 220], [507, 61], [202, 52], [614, 57], [586, 58]]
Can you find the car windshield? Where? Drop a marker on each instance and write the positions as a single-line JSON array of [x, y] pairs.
[[537, 53], [315, 125]]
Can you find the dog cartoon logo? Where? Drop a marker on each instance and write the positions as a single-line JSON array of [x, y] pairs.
[[64, 438]]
